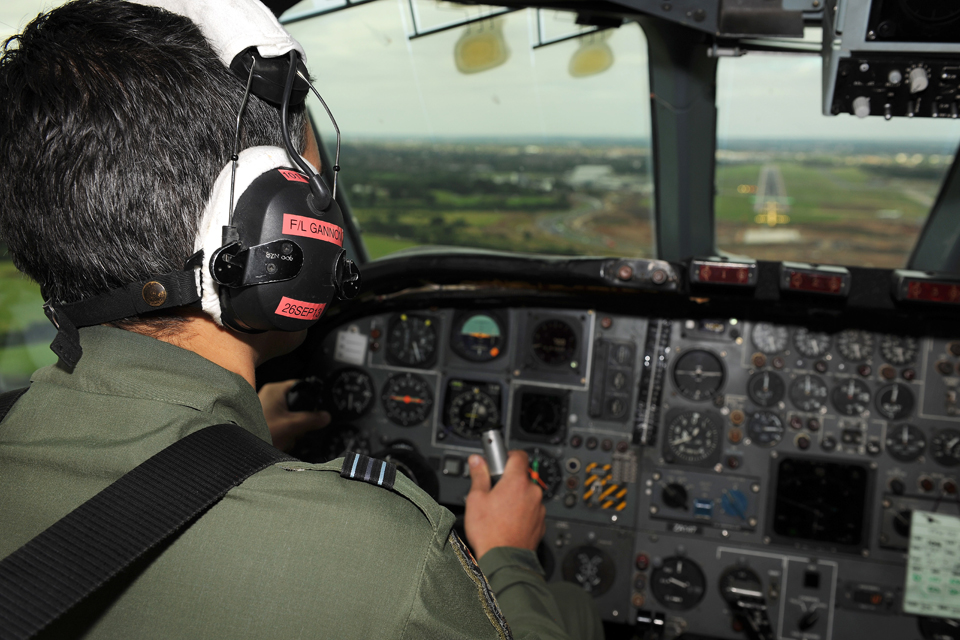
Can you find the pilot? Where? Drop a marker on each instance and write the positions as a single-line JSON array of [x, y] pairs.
[[117, 119]]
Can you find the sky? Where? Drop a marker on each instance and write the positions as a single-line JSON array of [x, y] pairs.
[[380, 84]]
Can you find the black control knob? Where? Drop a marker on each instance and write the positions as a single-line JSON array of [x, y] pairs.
[[808, 620], [674, 496], [897, 487]]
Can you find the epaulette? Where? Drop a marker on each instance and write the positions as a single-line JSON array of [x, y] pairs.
[[370, 470]]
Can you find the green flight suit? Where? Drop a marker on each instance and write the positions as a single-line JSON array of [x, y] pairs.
[[295, 551]]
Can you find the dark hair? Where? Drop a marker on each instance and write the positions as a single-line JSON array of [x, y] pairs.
[[115, 120]]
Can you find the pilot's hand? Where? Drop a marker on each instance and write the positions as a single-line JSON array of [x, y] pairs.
[[285, 425], [509, 515]]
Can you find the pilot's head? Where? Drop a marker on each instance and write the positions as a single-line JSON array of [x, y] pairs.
[[116, 120]]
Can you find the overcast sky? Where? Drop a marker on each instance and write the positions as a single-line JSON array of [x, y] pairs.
[[380, 84]]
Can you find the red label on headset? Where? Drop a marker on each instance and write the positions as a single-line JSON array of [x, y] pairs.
[[293, 176], [312, 228], [298, 309]]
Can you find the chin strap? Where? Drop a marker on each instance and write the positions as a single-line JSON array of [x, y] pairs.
[[177, 289]]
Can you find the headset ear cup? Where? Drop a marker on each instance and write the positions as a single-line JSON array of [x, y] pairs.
[[274, 208]]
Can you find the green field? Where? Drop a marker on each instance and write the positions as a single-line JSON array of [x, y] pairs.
[[21, 318]]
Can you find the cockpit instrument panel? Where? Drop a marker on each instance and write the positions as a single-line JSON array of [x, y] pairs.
[[693, 471]]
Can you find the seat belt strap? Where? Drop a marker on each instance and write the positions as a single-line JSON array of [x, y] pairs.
[[82, 551]]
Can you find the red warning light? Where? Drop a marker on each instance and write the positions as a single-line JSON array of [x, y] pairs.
[[815, 283], [735, 273], [933, 291]]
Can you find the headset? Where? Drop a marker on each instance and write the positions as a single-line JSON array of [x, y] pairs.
[[271, 259]]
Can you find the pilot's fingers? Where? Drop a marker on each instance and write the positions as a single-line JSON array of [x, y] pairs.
[[479, 474]]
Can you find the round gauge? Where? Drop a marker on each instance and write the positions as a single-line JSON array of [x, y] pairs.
[[412, 341], [851, 398], [895, 401], [407, 399], [698, 375], [905, 442], [478, 338], [472, 412], [855, 345], [898, 350], [945, 447], [740, 582], [591, 568], [765, 388], [678, 583], [554, 342], [545, 471], [808, 393], [692, 437], [324, 445], [352, 393], [769, 338], [765, 428], [811, 344]]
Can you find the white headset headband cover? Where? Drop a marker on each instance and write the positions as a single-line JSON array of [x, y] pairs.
[[232, 26], [253, 163]]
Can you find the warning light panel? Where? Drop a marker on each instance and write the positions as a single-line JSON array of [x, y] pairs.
[[800, 277], [920, 286], [719, 271]]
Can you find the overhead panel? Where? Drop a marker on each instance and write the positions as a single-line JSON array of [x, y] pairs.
[[730, 18], [891, 59]]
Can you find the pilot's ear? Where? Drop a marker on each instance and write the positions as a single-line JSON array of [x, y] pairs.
[[311, 150]]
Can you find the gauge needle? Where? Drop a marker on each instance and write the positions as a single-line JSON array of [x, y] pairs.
[[896, 391], [535, 475], [766, 381], [679, 583], [416, 352], [906, 436], [407, 399], [850, 390]]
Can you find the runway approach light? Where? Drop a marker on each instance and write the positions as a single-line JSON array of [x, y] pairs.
[[481, 47], [592, 57]]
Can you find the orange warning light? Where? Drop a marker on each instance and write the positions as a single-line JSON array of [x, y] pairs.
[[494, 352]]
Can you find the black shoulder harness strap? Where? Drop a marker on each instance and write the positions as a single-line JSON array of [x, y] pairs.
[[78, 554], [8, 399]]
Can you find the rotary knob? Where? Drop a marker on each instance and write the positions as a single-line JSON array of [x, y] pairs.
[[861, 106], [918, 79]]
